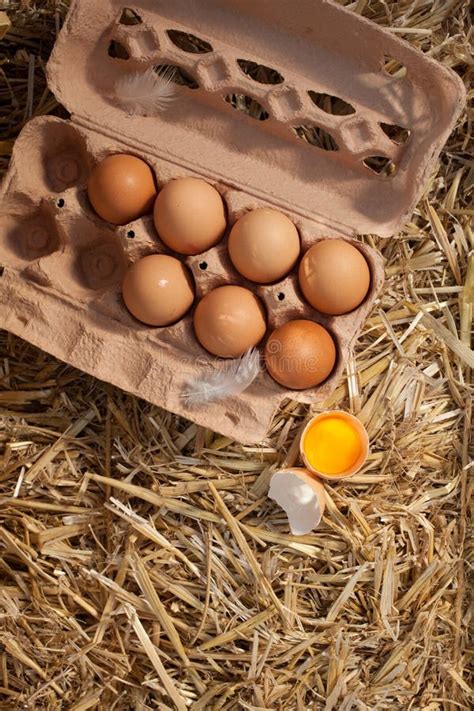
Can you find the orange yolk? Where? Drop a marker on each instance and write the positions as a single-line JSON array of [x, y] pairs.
[[332, 445]]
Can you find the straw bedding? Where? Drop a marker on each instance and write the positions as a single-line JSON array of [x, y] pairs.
[[141, 564]]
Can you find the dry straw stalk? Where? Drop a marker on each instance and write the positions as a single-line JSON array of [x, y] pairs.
[[141, 564]]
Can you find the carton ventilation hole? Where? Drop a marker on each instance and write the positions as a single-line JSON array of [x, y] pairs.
[[380, 165], [130, 17], [189, 43], [260, 73], [397, 134], [118, 51], [331, 104], [393, 67], [247, 105], [316, 136], [177, 75]]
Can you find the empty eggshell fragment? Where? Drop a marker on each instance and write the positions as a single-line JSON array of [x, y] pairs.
[[334, 277], [229, 321], [158, 290], [301, 496], [122, 188], [264, 245], [334, 445], [300, 354], [190, 215]]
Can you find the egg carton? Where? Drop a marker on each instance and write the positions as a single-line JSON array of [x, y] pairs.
[[335, 140]]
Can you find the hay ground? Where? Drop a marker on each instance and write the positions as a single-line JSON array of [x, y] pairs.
[[142, 566]]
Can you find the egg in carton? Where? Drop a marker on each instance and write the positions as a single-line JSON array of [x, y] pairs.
[[340, 137]]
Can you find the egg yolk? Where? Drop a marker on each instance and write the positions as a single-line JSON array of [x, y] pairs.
[[332, 445]]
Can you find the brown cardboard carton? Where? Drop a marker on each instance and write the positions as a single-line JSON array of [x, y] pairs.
[[62, 265]]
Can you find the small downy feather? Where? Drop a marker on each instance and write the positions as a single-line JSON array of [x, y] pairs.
[[233, 380], [146, 92]]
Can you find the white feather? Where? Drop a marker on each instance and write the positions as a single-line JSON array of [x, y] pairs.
[[233, 380], [145, 92]]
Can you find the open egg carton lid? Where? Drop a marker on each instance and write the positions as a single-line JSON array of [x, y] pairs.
[[345, 134]]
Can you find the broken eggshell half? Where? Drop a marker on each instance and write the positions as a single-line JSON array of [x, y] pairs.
[[301, 496]]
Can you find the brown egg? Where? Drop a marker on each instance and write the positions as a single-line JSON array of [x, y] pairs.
[[229, 320], [264, 245], [300, 354], [189, 215], [158, 290], [122, 188], [334, 277]]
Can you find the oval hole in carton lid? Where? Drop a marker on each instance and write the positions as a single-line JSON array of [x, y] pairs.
[[394, 67], [331, 104], [260, 73], [189, 43], [316, 136], [397, 134], [118, 51], [380, 165], [130, 17], [176, 74], [247, 105]]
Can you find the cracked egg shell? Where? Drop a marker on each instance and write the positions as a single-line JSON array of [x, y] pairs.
[[301, 496]]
